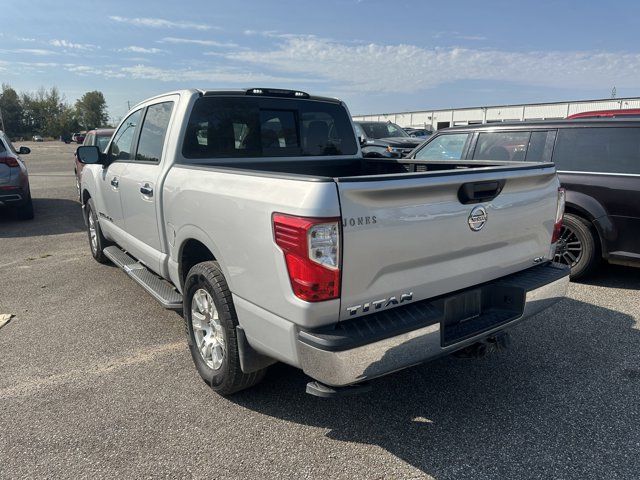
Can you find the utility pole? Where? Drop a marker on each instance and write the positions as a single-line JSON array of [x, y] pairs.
[[128, 105], [613, 92]]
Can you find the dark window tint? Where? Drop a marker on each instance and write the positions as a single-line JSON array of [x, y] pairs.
[[541, 146], [278, 131], [123, 138], [612, 150], [2, 149], [154, 129], [444, 147], [231, 127], [509, 146]]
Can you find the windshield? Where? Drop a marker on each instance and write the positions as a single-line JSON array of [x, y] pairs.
[[383, 130], [232, 127], [102, 141]]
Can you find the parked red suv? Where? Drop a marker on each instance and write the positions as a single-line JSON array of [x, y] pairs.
[[619, 113], [99, 137]]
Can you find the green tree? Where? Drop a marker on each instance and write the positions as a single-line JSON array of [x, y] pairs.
[[91, 110], [12, 112]]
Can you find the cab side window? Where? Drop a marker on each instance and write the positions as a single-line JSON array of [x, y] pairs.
[[153, 132], [123, 138]]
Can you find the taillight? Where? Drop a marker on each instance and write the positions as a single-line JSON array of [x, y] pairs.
[[10, 161], [311, 249], [557, 227]]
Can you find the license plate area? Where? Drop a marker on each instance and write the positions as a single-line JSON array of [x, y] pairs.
[[472, 312]]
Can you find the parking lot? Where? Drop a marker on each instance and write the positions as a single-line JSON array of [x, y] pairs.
[[96, 381]]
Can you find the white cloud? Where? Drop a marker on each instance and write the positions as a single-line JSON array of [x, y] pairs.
[[193, 41], [76, 46], [34, 51], [84, 70], [160, 23], [408, 68], [136, 49], [211, 76]]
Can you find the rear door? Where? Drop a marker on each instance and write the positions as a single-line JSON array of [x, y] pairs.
[[417, 235], [139, 185]]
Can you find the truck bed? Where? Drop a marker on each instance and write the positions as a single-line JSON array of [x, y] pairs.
[[362, 167]]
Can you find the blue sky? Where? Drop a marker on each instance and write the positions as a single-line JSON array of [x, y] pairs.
[[376, 55]]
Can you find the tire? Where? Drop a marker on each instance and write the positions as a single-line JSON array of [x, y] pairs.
[[214, 345], [25, 212], [97, 242], [578, 246]]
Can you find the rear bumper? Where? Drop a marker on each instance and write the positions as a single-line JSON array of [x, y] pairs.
[[378, 344], [12, 197]]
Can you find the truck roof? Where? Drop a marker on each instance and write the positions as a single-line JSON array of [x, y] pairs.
[[266, 92]]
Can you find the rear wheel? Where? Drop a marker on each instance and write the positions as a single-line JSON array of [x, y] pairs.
[[577, 246], [25, 211], [211, 321]]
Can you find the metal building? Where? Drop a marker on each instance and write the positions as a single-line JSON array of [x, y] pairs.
[[436, 119]]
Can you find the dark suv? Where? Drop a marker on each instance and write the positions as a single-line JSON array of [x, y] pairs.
[[384, 140], [598, 162]]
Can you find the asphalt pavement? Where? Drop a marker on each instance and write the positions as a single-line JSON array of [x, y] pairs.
[[96, 381]]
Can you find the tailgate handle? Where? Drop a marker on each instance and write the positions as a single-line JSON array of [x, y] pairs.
[[477, 192]]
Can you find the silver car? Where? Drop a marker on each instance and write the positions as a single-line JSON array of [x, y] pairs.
[[14, 180]]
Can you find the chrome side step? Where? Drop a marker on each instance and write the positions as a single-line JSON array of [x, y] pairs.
[[158, 287]]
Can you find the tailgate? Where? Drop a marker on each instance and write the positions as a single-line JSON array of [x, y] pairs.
[[420, 236]]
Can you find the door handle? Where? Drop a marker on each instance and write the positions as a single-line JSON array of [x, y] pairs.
[[115, 182], [146, 190], [478, 192]]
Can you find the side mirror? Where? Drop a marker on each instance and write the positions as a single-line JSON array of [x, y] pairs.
[[90, 155], [24, 151], [363, 140]]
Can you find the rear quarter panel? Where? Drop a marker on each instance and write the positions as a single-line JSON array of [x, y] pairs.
[[231, 214]]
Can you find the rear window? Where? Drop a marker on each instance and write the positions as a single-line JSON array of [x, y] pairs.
[[237, 127], [606, 150]]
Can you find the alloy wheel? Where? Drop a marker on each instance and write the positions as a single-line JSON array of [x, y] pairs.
[[93, 233], [207, 329], [569, 247]]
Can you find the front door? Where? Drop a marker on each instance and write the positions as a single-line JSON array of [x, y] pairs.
[[110, 211]]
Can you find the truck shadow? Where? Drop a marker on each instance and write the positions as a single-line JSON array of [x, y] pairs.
[[615, 276], [53, 216], [561, 402]]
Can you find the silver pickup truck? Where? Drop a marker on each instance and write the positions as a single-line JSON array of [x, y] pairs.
[[255, 214]]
